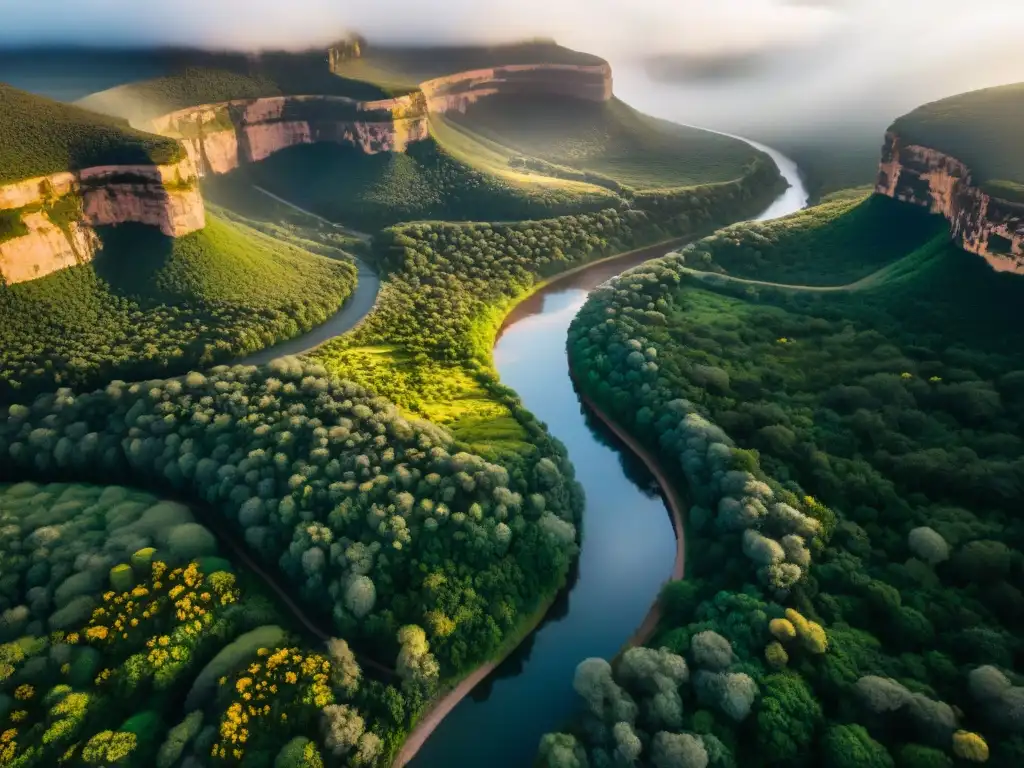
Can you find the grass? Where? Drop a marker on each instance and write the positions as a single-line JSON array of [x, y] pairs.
[[609, 139], [403, 68], [444, 394], [831, 244], [1004, 190], [39, 137], [202, 77], [149, 305], [369, 192], [980, 128]]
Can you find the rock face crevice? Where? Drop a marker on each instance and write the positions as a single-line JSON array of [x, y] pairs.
[[59, 213], [979, 223]]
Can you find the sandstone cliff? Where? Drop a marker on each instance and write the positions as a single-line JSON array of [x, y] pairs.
[[58, 213], [220, 137], [980, 223]]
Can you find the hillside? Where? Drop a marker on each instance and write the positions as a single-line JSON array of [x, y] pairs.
[[605, 139], [402, 68], [150, 304], [851, 455], [980, 128], [200, 77], [39, 137]]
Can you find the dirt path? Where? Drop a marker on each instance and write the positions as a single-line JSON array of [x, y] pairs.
[[676, 507], [355, 233], [316, 629]]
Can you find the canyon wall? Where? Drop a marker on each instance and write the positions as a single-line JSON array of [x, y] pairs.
[[57, 214], [979, 223], [457, 92], [220, 137]]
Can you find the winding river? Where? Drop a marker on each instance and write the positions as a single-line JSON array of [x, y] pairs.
[[628, 543]]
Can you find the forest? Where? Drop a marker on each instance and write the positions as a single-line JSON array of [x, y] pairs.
[[39, 137], [422, 555], [126, 640], [852, 461], [149, 305]]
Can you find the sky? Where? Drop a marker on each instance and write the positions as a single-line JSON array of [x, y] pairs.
[[818, 56]]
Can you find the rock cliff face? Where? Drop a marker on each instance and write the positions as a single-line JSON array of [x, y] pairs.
[[980, 223], [58, 213], [457, 92], [220, 137]]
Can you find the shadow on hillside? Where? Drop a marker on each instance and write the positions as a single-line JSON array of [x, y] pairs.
[[131, 258]]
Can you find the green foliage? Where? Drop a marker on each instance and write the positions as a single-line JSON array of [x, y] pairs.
[[607, 139], [149, 304], [229, 659], [788, 716], [39, 137], [369, 192], [831, 244], [814, 432], [978, 128], [850, 746]]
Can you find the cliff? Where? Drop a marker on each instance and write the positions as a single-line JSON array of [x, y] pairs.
[[220, 137], [53, 218], [980, 223]]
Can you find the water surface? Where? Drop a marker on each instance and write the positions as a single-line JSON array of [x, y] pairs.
[[628, 542]]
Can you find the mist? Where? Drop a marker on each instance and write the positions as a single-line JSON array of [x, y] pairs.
[[780, 66]]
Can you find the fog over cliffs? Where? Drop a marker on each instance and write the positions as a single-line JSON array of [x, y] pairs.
[[774, 62]]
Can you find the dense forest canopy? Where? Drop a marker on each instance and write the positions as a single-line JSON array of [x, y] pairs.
[[853, 464], [149, 304], [39, 137]]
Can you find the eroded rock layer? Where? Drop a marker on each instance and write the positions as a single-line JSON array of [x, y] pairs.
[[54, 217], [979, 223]]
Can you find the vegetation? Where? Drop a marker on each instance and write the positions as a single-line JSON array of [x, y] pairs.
[[852, 460], [103, 635], [206, 77], [149, 304], [370, 192], [831, 244], [403, 68], [39, 137], [979, 128], [610, 140]]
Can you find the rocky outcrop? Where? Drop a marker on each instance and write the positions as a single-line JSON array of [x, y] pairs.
[[220, 137], [58, 213], [979, 223], [457, 92]]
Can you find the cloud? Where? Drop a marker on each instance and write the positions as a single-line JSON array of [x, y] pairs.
[[812, 58]]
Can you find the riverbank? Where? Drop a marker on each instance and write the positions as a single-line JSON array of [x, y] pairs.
[[676, 507], [441, 707]]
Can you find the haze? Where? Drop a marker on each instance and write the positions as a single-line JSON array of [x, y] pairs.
[[820, 61]]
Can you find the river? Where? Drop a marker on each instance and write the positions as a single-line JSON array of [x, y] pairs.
[[628, 543]]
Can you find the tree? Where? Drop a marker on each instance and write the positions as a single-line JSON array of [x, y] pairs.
[[561, 750], [678, 750], [970, 746], [928, 544], [711, 651], [850, 746], [342, 727], [345, 672], [787, 718]]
